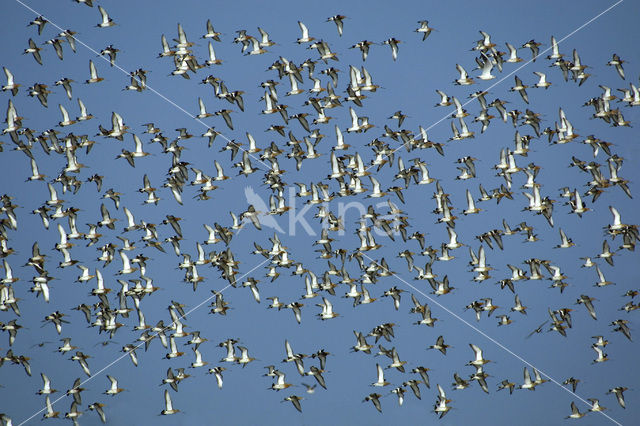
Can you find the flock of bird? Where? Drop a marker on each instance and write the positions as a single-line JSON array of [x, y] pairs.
[[351, 171]]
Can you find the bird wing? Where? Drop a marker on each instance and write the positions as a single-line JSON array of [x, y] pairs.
[[376, 184], [125, 260], [203, 110], [470, 202], [354, 118], [477, 351], [305, 31], [130, 219], [105, 15], [167, 401], [380, 374], [463, 73], [616, 216], [264, 34], [441, 393], [65, 114], [92, 70]]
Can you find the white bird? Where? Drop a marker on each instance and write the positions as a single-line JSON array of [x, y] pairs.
[[217, 372], [355, 122], [444, 99], [93, 78], [460, 112], [441, 406], [393, 44], [98, 409], [528, 383], [166, 50], [126, 264], [380, 381], [220, 173], [114, 389], [213, 60], [340, 145], [35, 173], [244, 357], [305, 34], [617, 226], [83, 112], [256, 48], [11, 84], [396, 363], [513, 54], [518, 306], [131, 221], [264, 38], [280, 381], [367, 84], [295, 90], [471, 205], [464, 130], [198, 362], [211, 33], [602, 281], [486, 69], [338, 20], [106, 20], [565, 242], [424, 29], [168, 405], [86, 276], [13, 121], [50, 413], [464, 79], [595, 405], [482, 267], [479, 360], [543, 80], [555, 50], [66, 121], [173, 348], [203, 110], [377, 193], [575, 413], [46, 386], [327, 310]]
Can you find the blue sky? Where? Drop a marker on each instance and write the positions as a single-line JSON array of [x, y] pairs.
[[408, 84]]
